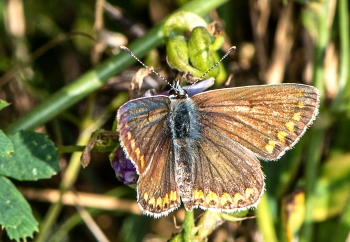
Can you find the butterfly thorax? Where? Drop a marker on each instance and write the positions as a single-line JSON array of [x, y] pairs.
[[182, 119]]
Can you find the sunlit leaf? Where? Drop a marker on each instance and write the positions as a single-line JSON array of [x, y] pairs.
[[34, 157], [15, 213], [3, 104], [6, 146]]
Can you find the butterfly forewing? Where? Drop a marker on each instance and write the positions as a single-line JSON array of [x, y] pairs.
[[267, 120], [140, 122]]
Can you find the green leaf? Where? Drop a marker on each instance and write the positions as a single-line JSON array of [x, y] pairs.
[[3, 104], [15, 213], [6, 146], [34, 157]]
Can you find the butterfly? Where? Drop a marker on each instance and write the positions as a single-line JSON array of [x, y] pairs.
[[203, 150]]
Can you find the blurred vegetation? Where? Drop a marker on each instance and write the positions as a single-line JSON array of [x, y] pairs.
[[62, 74]]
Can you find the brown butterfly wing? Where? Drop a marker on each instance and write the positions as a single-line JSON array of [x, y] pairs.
[[142, 129], [267, 120], [225, 176], [157, 191], [146, 139]]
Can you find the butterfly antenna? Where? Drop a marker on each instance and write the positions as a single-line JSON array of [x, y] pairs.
[[127, 50], [216, 64]]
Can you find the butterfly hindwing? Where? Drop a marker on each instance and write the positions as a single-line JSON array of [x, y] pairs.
[[157, 191], [211, 170], [226, 176]]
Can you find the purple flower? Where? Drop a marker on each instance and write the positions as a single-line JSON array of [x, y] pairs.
[[124, 168], [191, 90]]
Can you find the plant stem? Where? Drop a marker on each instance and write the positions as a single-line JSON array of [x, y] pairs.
[[188, 234]]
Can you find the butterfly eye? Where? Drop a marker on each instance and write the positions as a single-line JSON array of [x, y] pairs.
[[172, 93], [178, 94]]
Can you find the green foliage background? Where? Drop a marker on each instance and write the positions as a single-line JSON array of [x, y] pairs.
[[62, 76]]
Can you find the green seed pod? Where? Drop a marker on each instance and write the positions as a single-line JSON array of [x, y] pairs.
[[178, 59], [200, 55]]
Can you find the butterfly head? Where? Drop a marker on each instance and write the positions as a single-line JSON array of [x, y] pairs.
[[177, 92]]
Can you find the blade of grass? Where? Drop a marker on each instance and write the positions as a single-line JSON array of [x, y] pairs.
[[323, 14], [344, 51], [311, 171], [265, 221], [342, 233]]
